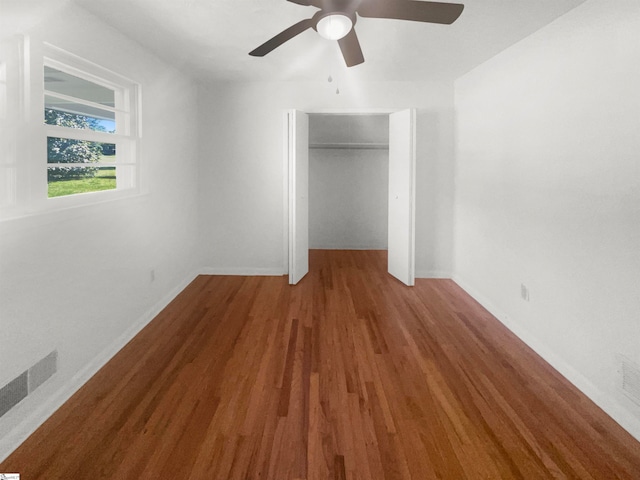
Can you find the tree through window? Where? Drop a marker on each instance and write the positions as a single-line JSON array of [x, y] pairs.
[[89, 123]]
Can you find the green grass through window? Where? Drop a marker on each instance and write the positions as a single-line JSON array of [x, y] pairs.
[[105, 179]]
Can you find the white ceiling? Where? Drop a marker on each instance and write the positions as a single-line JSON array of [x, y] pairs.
[[212, 38]]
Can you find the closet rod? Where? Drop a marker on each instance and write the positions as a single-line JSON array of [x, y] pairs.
[[361, 146]]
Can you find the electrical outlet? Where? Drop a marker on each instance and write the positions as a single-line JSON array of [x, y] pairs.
[[152, 275], [524, 292]]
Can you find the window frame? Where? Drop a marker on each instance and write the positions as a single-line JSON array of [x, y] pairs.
[[127, 106]]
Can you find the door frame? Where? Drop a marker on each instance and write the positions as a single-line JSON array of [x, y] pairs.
[[285, 165]]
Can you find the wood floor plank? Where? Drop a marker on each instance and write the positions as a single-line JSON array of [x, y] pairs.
[[347, 375]]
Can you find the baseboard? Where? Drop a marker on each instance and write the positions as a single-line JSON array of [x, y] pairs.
[[605, 401], [433, 274], [243, 271], [347, 247], [56, 399]]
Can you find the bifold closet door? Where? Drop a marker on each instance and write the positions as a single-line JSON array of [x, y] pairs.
[[298, 153], [402, 165]]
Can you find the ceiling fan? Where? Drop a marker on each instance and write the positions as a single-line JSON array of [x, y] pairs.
[[336, 18]]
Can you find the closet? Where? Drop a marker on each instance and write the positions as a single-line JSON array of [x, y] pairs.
[[339, 201], [348, 181]]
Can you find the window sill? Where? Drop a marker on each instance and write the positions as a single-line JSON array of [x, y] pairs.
[[72, 206]]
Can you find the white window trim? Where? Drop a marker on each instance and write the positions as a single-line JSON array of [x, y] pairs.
[[31, 184], [127, 93]]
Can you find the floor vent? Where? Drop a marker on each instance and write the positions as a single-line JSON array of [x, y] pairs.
[[17, 389], [631, 380]]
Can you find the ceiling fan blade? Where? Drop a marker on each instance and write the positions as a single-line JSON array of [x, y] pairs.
[[282, 37], [350, 47], [308, 3], [418, 11]]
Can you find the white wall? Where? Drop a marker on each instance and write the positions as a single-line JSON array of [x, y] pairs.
[[79, 280], [548, 194], [349, 129], [348, 198], [241, 170]]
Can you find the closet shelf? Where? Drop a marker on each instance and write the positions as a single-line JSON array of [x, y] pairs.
[[361, 146]]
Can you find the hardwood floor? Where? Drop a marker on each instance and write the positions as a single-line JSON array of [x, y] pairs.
[[348, 375]]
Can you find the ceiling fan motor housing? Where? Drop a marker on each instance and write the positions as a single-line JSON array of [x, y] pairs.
[[339, 6]]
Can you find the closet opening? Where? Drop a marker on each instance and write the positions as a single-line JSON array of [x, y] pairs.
[[348, 181], [347, 200]]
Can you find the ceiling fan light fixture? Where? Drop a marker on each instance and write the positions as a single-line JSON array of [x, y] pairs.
[[334, 26], [336, 19]]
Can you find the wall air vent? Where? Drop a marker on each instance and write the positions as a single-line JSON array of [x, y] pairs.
[[17, 389]]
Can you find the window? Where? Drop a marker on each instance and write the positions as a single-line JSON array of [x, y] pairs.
[[91, 127], [69, 130]]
